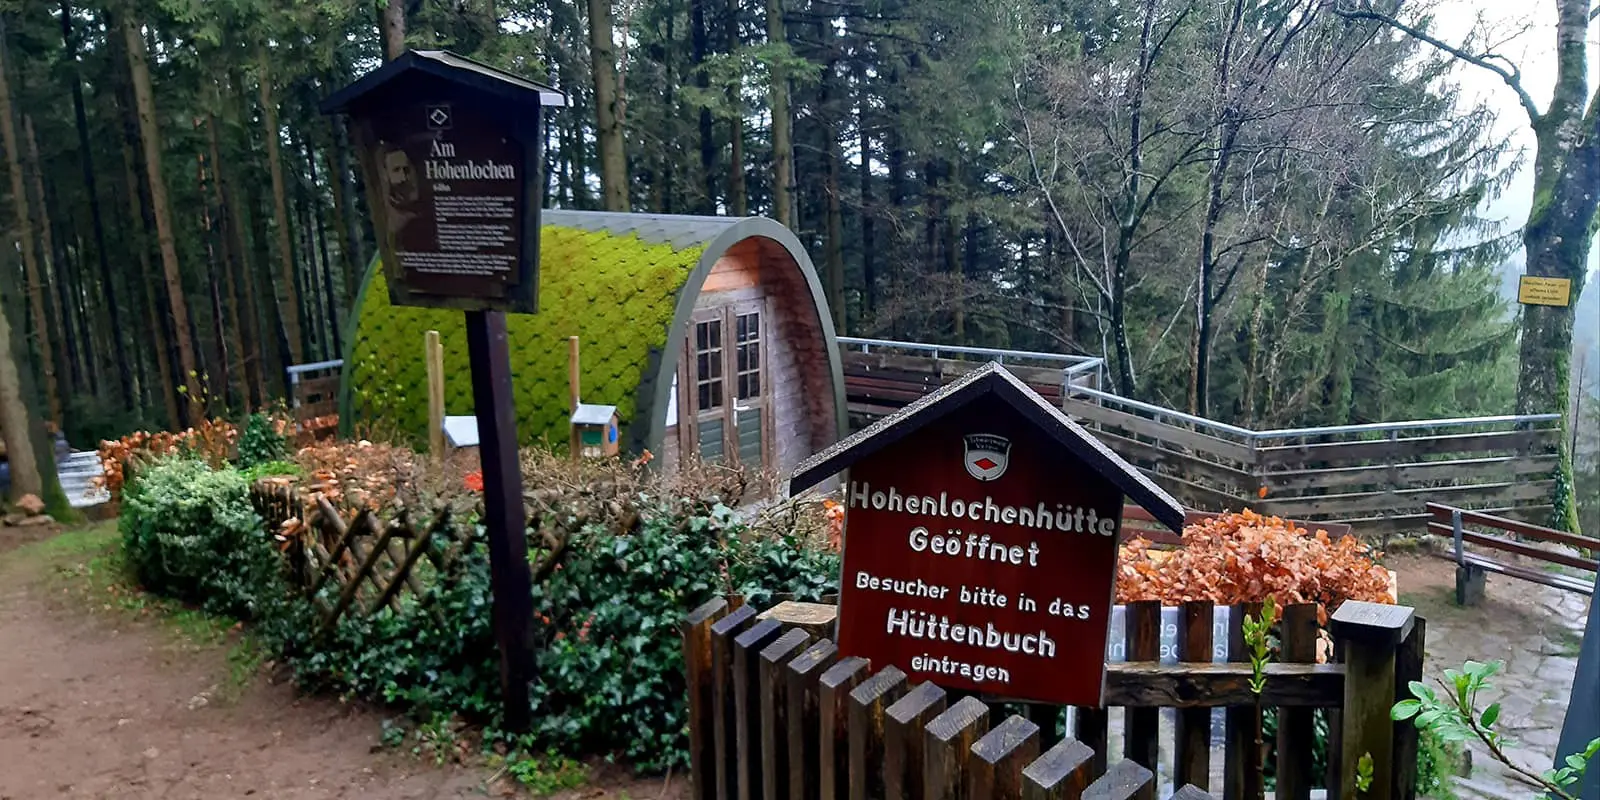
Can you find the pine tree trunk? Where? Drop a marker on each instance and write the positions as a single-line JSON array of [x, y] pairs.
[[330, 300], [15, 424], [86, 163], [1559, 235], [350, 263], [288, 303], [25, 233], [700, 43], [782, 126], [869, 244], [607, 108], [150, 135], [54, 265], [138, 217], [394, 29], [232, 255]]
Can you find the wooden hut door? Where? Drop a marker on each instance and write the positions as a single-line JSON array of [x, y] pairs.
[[728, 385]]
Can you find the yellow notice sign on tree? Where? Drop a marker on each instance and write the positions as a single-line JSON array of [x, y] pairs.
[[1536, 291]]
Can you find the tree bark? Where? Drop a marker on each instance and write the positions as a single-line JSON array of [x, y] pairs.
[[53, 264], [394, 29], [607, 108], [288, 304], [15, 422], [232, 255], [869, 244], [97, 224], [782, 126], [699, 45], [330, 300], [25, 233], [139, 219], [150, 135]]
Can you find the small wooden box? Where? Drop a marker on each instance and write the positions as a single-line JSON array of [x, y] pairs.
[[594, 431]]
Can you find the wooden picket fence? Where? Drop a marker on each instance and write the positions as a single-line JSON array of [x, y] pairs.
[[777, 713], [367, 564]]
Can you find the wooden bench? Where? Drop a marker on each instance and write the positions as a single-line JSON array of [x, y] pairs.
[[1472, 568], [1138, 522]]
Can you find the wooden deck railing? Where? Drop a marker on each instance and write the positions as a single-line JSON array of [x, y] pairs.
[[1375, 478], [777, 713]]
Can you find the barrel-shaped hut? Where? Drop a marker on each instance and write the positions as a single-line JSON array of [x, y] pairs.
[[710, 335]]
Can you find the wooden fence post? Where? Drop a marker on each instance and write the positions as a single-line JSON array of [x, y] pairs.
[[833, 704], [1407, 668], [1062, 773], [774, 688], [1370, 634], [805, 724], [723, 702], [1124, 780], [747, 703], [904, 741], [697, 664], [1141, 743], [1193, 757], [999, 758], [1296, 726], [867, 704], [950, 737], [1241, 775]]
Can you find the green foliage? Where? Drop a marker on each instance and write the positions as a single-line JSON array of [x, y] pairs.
[[260, 442], [189, 532], [544, 774], [269, 468], [1364, 773], [1257, 628], [1453, 716], [617, 293], [611, 664]]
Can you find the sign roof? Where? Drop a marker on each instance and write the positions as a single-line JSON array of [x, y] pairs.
[[449, 66], [992, 378]]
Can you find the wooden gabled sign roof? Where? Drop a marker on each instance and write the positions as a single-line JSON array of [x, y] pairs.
[[992, 379], [456, 69]]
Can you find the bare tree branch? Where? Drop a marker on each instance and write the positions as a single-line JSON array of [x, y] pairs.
[[1511, 76]]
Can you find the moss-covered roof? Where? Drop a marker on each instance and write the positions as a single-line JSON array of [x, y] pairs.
[[613, 280]]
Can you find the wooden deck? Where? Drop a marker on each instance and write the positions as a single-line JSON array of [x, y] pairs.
[[1375, 478]]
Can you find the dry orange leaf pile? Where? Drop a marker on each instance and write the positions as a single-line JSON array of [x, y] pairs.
[[1246, 557]]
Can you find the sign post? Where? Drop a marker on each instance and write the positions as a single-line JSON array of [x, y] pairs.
[[980, 542], [450, 150]]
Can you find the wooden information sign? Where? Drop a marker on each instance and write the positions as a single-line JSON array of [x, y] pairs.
[[980, 541], [450, 149], [1533, 290]]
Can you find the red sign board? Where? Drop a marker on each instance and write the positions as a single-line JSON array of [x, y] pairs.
[[981, 555]]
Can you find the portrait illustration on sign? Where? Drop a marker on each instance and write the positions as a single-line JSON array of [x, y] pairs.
[[402, 191]]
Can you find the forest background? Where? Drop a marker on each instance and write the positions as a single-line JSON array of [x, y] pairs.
[[1269, 212]]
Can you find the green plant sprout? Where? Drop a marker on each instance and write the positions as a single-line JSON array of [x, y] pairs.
[[1453, 716], [1257, 630], [1364, 773]]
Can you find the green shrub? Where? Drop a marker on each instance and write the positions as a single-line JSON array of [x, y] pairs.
[[260, 442], [190, 533]]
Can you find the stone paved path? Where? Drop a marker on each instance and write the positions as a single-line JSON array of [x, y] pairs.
[[1535, 630]]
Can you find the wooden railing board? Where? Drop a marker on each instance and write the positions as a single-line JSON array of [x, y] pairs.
[[1426, 471], [805, 717], [1192, 758], [1442, 514], [947, 369], [775, 708], [904, 742], [867, 705], [1353, 503], [1520, 548], [1222, 448], [834, 709], [1333, 453], [1141, 453]]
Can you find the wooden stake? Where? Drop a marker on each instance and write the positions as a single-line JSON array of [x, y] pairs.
[[433, 354], [572, 372]]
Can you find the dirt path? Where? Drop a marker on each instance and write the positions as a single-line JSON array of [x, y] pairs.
[[93, 708]]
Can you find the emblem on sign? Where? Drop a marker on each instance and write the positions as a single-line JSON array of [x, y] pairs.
[[987, 455], [439, 117]]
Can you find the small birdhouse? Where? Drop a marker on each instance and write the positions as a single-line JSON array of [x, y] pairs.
[[594, 431]]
